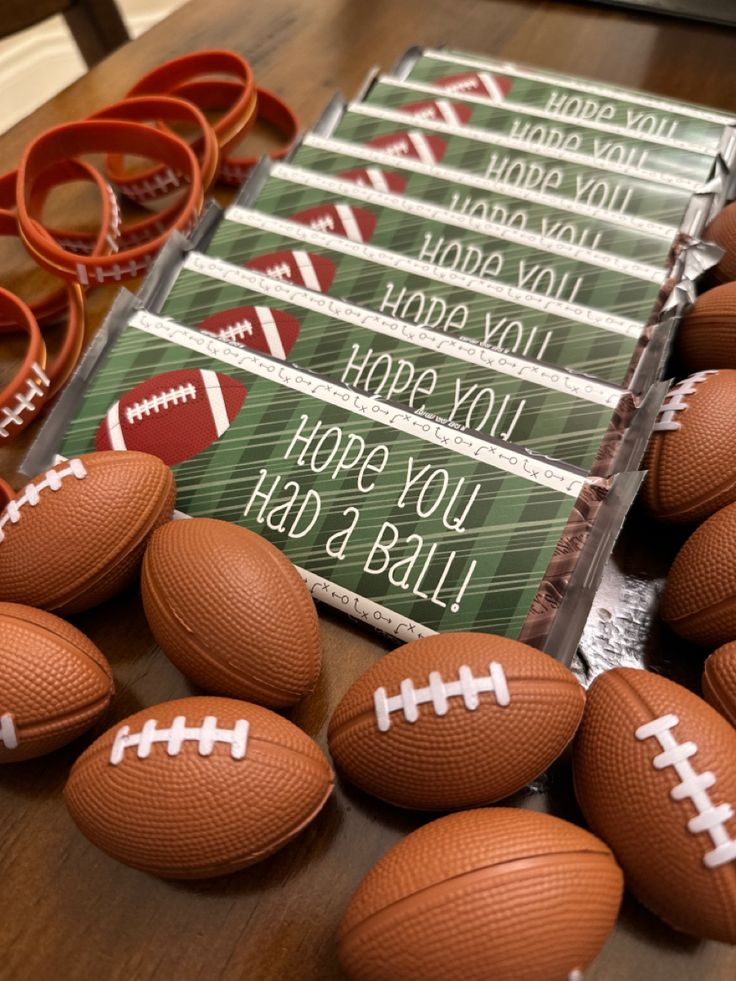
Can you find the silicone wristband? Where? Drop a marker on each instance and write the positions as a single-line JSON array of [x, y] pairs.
[[50, 307], [101, 136], [164, 79], [218, 93], [153, 183], [26, 393]]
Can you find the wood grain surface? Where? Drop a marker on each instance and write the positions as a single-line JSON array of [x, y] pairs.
[[68, 911]]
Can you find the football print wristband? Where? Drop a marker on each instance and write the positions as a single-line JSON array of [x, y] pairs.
[[54, 305], [26, 393], [218, 93], [101, 136], [153, 183], [239, 113]]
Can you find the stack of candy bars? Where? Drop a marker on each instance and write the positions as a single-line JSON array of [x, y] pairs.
[[423, 357]]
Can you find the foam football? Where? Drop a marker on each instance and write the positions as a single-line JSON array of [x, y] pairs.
[[54, 682], [197, 787], [687, 461], [501, 893], [699, 599], [719, 681], [706, 338], [174, 415], [76, 534], [232, 613], [486, 713], [307, 269], [655, 778], [346, 220], [264, 329]]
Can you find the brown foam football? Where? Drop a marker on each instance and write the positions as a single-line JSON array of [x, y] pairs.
[[655, 777], [707, 336], [699, 599], [722, 231], [54, 683], [455, 720], [198, 787], [230, 610], [719, 681], [75, 535], [689, 477], [500, 893]]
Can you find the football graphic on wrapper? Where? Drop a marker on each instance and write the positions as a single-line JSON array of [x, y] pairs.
[[706, 337], [687, 461], [174, 415], [502, 894], [699, 599], [435, 705], [54, 682], [197, 787], [719, 681], [380, 180], [428, 148], [439, 111], [482, 84], [266, 648], [263, 329], [99, 511], [655, 778], [307, 269], [346, 220]]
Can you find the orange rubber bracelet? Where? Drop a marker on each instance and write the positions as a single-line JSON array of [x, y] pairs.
[[155, 182], [52, 306], [218, 93], [164, 79], [21, 400], [102, 136]]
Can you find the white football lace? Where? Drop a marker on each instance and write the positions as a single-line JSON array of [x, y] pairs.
[[438, 692], [236, 331], [325, 223], [280, 271], [164, 400], [25, 402], [32, 492], [675, 402], [174, 737], [8, 735], [694, 786]]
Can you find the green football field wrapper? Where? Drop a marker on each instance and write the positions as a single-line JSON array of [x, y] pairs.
[[618, 110], [437, 236], [604, 233], [568, 140], [540, 328], [404, 523], [398, 134], [567, 417]]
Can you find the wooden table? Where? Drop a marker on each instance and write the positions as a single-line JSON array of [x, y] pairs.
[[70, 912]]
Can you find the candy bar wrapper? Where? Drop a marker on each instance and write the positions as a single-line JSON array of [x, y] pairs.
[[577, 338], [468, 196], [396, 133], [473, 247], [403, 522], [615, 109], [522, 130], [571, 418]]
